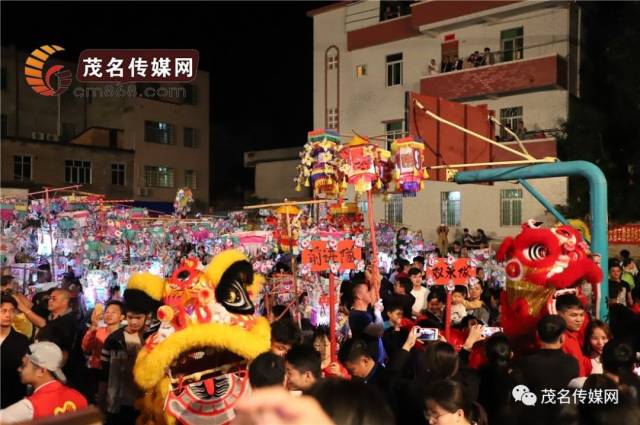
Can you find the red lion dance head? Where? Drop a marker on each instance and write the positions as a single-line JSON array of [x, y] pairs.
[[539, 262]]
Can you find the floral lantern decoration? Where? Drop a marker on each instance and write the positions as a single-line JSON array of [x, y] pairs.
[[318, 167], [346, 216], [410, 172], [360, 163], [282, 232], [182, 202]]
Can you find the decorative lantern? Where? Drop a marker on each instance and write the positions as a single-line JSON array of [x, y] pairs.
[[286, 225], [347, 217], [410, 171], [318, 164], [360, 164]]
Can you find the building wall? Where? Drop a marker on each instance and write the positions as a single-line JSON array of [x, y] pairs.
[[48, 165], [479, 207], [274, 181], [366, 104], [29, 112]]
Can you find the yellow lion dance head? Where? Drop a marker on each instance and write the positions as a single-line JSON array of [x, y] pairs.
[[194, 368]]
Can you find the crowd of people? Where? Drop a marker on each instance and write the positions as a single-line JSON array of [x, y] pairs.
[[454, 63], [393, 364]]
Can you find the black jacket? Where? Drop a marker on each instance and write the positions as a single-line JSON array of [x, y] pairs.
[[13, 348]]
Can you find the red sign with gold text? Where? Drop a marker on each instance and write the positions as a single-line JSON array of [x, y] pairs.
[[321, 255]]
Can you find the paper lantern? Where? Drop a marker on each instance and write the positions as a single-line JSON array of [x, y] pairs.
[[409, 171], [360, 164], [318, 167], [282, 233]]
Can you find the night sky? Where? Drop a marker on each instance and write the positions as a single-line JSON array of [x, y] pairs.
[[259, 55]]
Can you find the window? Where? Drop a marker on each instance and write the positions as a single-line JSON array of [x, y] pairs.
[[394, 130], [190, 179], [332, 118], [158, 132], [394, 69], [158, 176], [450, 208], [509, 117], [361, 70], [510, 207], [21, 167], [190, 137], [393, 209], [118, 176], [332, 62], [512, 42], [77, 171]]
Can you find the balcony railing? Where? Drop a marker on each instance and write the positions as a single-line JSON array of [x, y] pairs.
[[498, 79]]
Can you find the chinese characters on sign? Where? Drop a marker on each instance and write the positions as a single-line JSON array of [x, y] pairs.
[[459, 272], [137, 65], [321, 256]]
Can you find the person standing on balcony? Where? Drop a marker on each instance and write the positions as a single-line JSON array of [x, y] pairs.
[[445, 66], [432, 69], [521, 131], [487, 57], [456, 63]]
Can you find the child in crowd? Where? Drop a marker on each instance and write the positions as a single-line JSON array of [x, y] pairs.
[[458, 310]]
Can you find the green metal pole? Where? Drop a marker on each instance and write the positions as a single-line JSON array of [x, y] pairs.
[[598, 202]]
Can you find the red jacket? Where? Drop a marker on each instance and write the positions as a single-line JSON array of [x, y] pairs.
[[571, 346], [53, 398]]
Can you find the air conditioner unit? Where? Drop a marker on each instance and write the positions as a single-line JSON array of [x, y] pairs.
[[51, 137], [38, 135], [145, 192]]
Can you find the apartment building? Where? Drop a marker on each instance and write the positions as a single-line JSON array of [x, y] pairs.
[[133, 141], [369, 55]]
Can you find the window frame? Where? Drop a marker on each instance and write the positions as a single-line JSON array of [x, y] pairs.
[[170, 131], [393, 209], [194, 174], [77, 167], [124, 174], [391, 61], [22, 179], [510, 119], [516, 52], [451, 217], [156, 168], [195, 141], [509, 198]]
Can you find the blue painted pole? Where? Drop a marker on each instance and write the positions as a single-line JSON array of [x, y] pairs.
[[548, 205], [598, 202]]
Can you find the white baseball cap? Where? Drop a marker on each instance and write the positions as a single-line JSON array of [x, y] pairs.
[[47, 355]]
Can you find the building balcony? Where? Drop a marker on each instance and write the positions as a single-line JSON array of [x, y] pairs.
[[491, 81]]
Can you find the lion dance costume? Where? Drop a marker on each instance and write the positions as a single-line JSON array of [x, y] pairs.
[[194, 368], [540, 263]]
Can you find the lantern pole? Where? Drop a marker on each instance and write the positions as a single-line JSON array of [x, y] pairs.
[[332, 316], [374, 244], [447, 316], [53, 258], [293, 271]]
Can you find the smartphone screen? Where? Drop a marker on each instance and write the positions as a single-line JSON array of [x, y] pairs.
[[428, 334], [488, 331]]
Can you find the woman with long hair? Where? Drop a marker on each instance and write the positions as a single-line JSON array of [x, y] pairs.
[[446, 404], [595, 338]]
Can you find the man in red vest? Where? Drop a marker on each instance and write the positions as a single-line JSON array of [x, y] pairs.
[[41, 368]]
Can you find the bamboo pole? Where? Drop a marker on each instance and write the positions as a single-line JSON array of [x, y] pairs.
[[285, 203], [508, 130], [482, 164], [472, 133], [293, 271]]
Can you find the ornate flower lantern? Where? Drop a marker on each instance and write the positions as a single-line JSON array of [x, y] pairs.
[[360, 162], [410, 171], [318, 164]]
